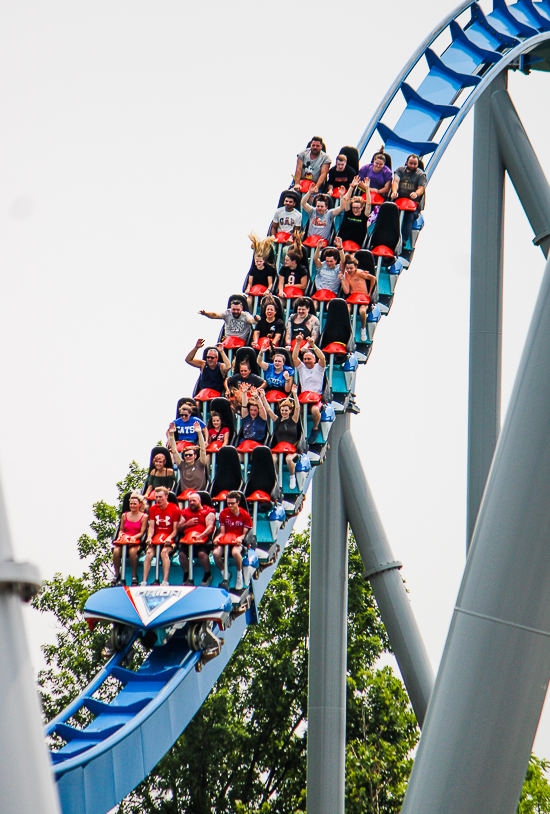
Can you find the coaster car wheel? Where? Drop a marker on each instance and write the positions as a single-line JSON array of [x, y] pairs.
[[120, 636]]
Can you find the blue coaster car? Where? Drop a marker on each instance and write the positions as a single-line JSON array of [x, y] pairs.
[[159, 611]]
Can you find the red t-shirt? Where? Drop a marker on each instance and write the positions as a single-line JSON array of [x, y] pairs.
[[235, 524], [202, 514], [164, 518]]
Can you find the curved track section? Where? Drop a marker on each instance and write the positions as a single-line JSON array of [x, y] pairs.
[[103, 762], [458, 73]]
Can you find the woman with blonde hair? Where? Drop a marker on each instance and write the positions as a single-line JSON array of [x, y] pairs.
[[261, 271], [131, 530]]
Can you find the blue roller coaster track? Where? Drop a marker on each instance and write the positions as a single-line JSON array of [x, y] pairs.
[[101, 763]]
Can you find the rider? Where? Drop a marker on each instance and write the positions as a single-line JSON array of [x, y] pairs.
[[311, 372], [163, 525], [214, 366], [237, 521], [132, 529], [198, 522]]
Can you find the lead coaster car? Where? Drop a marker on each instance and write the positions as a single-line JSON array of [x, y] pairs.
[[158, 612]]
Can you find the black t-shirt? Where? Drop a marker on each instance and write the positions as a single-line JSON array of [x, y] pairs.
[[252, 379], [266, 328], [353, 227], [341, 178], [293, 276], [285, 431], [259, 276], [299, 327]]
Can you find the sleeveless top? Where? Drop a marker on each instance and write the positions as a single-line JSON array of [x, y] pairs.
[[160, 480], [285, 431], [211, 379], [131, 527]]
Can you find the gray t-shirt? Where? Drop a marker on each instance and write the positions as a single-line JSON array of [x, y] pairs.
[[286, 221], [328, 278], [236, 326], [321, 224], [314, 163], [409, 182]]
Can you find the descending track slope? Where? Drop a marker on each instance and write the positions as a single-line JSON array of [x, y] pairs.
[[103, 762]]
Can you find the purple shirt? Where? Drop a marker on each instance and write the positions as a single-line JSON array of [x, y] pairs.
[[377, 179]]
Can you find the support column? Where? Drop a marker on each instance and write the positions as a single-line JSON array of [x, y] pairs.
[[26, 778], [523, 167], [387, 585], [328, 605], [494, 674], [485, 301]]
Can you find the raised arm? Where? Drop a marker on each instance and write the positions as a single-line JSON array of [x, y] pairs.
[[318, 352], [172, 444], [210, 314], [202, 447], [338, 245], [345, 283], [201, 431], [305, 198], [351, 191], [296, 413], [316, 256], [296, 352], [266, 406], [367, 198], [190, 358], [261, 360], [342, 205], [225, 363]]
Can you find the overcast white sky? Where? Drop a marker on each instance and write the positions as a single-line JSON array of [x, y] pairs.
[[140, 143]]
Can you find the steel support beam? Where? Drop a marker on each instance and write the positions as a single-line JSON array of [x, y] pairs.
[[523, 167], [387, 585], [328, 605], [491, 685], [485, 300], [26, 780]]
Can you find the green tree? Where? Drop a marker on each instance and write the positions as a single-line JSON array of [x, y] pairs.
[[535, 795], [74, 658], [245, 749]]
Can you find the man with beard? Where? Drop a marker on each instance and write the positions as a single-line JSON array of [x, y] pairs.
[[237, 322], [286, 217], [198, 523], [313, 163], [409, 182]]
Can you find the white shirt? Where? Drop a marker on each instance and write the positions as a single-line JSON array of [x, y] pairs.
[[311, 379]]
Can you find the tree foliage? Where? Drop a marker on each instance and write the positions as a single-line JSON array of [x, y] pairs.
[[535, 795], [245, 750], [74, 658]]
